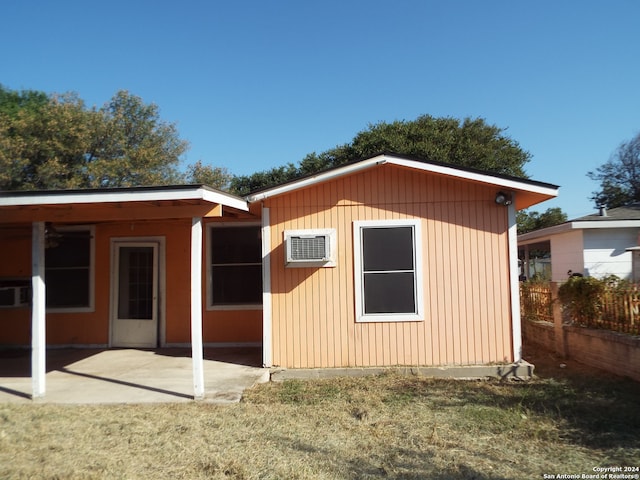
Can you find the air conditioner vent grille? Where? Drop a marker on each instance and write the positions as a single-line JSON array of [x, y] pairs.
[[308, 248]]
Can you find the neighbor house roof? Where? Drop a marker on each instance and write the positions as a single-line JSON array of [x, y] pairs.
[[620, 217], [529, 192], [628, 212]]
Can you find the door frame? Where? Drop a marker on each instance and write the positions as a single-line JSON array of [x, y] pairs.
[[160, 241]]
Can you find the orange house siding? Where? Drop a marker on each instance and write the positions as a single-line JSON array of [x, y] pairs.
[[92, 328], [466, 274]]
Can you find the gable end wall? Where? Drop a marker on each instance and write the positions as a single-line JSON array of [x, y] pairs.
[[466, 274]]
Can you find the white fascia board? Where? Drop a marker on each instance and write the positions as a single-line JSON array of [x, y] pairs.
[[544, 232], [474, 176], [585, 225], [77, 197], [321, 177], [225, 199], [530, 237], [427, 167]]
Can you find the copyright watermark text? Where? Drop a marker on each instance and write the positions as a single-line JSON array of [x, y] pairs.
[[599, 473]]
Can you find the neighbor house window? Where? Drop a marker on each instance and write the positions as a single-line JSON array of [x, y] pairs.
[[235, 266], [68, 269], [388, 270]]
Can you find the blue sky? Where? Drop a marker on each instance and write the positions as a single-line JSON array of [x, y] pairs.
[[258, 84]]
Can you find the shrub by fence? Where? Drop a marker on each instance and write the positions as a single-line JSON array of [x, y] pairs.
[[608, 304], [597, 324]]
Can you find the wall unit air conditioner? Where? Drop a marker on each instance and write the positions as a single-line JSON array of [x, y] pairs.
[[310, 248], [12, 296]]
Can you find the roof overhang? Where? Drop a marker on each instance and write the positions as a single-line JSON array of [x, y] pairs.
[[527, 192], [117, 204], [579, 225]]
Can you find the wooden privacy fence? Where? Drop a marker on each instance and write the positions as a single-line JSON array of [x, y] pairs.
[[618, 308], [536, 302]]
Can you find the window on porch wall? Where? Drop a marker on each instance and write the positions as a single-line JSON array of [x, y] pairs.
[[68, 265], [235, 269]]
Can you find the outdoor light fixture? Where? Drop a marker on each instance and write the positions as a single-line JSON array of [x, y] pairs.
[[503, 198]]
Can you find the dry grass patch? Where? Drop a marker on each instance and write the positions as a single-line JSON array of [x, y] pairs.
[[389, 426]]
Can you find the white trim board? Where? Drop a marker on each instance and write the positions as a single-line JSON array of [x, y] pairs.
[[452, 171], [70, 197]]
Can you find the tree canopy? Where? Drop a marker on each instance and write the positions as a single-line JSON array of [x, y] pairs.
[[530, 221], [619, 177], [217, 177], [55, 142], [468, 143]]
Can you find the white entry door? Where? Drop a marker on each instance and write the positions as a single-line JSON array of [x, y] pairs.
[[134, 294]]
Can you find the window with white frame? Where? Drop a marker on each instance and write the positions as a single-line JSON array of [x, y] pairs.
[[388, 270], [235, 266], [69, 264]]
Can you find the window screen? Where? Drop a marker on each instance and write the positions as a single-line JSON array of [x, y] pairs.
[[67, 270], [236, 265], [388, 270]]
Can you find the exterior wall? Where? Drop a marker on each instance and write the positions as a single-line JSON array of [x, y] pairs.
[[15, 255], [605, 254], [92, 328], [566, 254], [466, 274]]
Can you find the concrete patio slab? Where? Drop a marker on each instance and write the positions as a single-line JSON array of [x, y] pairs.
[[86, 376]]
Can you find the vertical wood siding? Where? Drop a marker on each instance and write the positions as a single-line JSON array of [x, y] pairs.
[[466, 274]]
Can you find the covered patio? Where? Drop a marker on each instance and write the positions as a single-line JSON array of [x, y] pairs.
[[162, 226], [108, 376]]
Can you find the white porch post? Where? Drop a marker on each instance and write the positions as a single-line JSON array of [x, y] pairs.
[[267, 355], [38, 312], [197, 352], [514, 280]]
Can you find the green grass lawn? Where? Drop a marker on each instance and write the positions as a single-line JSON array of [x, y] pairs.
[[565, 421]]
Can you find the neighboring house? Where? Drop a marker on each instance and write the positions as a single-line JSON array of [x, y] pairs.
[[605, 243], [386, 261]]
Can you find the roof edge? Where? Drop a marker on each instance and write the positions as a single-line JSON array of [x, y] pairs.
[[120, 194], [506, 181], [576, 225]]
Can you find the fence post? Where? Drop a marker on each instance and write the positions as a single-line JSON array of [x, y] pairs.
[[558, 326]]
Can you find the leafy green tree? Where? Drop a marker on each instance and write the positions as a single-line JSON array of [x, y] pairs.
[[468, 143], [12, 102], [619, 177], [529, 221], [217, 177], [133, 146], [242, 185], [41, 142], [55, 142]]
